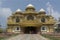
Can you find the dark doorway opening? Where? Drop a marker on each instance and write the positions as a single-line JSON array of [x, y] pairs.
[[30, 30]]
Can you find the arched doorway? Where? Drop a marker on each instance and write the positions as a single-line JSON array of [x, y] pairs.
[[30, 30]]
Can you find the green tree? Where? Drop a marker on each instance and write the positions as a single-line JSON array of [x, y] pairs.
[[1, 30]]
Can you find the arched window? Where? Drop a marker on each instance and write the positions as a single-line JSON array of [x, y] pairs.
[[17, 19], [30, 17], [42, 19], [43, 28]]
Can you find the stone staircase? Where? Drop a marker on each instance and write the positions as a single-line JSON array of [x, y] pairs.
[[28, 37]]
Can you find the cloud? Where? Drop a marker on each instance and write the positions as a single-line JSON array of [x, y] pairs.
[[51, 11], [4, 13], [55, 14]]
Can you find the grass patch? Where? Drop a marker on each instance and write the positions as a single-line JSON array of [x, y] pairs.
[[8, 36], [2, 38], [51, 37]]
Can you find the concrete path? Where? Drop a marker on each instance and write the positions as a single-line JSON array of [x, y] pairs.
[[28, 37]]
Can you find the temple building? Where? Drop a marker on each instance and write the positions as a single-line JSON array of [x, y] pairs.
[[57, 26], [30, 21]]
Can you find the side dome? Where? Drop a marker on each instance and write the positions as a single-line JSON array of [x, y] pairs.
[[18, 10], [42, 11]]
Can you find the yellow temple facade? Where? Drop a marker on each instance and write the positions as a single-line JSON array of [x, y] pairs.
[[30, 21]]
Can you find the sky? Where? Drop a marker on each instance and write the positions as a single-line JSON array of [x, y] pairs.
[[9, 6]]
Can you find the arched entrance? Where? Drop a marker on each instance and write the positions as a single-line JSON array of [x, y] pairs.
[[30, 30]]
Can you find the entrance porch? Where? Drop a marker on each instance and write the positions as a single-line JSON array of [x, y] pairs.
[[30, 30]]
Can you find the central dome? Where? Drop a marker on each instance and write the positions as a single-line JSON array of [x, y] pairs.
[[30, 6]]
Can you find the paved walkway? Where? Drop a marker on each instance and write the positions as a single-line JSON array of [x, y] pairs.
[[28, 37]]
